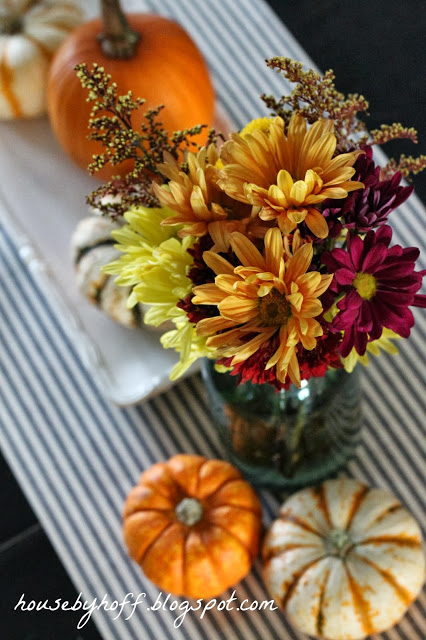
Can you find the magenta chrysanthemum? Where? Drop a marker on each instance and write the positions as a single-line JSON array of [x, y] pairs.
[[368, 208], [378, 284]]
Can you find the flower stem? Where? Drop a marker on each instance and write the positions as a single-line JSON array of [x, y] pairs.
[[118, 40]]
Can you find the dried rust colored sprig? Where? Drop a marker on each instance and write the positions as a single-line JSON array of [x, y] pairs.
[[111, 124], [117, 196], [406, 165], [395, 131], [315, 96]]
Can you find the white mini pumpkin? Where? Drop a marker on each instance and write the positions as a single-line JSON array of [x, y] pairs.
[[343, 560], [93, 247], [30, 33]]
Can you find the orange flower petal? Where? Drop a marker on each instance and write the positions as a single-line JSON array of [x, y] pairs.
[[226, 282], [294, 371], [209, 326], [316, 223], [285, 224], [325, 283], [197, 229], [238, 309], [299, 263], [208, 294], [274, 250], [298, 193], [217, 263], [246, 252], [252, 346]]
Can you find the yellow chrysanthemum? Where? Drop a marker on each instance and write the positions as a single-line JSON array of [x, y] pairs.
[[199, 204], [155, 263], [288, 173], [263, 124], [187, 343], [263, 296], [384, 343], [137, 240]]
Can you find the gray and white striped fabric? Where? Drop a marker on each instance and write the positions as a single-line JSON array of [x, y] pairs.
[[76, 456]]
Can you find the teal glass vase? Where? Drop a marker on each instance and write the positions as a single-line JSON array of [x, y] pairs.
[[286, 440]]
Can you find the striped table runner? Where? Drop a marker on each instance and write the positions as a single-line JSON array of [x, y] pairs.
[[76, 456]]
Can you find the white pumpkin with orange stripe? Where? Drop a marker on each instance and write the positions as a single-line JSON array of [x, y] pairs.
[[343, 560], [30, 33]]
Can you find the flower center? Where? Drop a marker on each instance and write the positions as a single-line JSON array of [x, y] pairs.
[[274, 310], [338, 543], [365, 284]]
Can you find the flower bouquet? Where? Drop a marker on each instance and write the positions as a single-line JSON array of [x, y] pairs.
[[268, 250]]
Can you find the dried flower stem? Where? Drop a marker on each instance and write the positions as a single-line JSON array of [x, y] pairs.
[[111, 125]]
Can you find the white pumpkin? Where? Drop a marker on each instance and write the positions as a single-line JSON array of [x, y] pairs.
[[343, 560], [30, 33], [93, 247]]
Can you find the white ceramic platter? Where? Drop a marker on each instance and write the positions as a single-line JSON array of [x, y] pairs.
[[42, 198]]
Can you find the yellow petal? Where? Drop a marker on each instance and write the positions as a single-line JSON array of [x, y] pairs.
[[267, 213], [334, 192], [337, 176], [298, 192], [220, 235], [352, 185], [285, 224], [325, 283], [208, 294], [217, 263], [297, 215], [277, 196], [299, 263], [226, 282], [252, 346], [197, 229], [294, 371], [316, 223], [238, 309], [274, 250], [295, 299], [310, 308], [285, 182], [209, 326], [246, 252], [198, 204], [321, 152], [264, 289]]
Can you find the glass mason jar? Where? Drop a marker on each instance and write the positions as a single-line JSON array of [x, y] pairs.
[[286, 439]]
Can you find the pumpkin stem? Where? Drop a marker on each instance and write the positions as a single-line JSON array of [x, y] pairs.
[[189, 511], [118, 40], [339, 542]]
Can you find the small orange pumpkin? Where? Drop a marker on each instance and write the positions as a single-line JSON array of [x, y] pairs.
[[193, 525], [163, 66]]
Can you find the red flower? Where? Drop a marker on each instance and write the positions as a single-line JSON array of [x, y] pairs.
[[378, 284], [313, 364]]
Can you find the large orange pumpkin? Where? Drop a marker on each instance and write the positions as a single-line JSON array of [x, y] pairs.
[[165, 67], [193, 525]]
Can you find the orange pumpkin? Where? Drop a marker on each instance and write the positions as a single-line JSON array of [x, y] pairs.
[[164, 67], [193, 525]]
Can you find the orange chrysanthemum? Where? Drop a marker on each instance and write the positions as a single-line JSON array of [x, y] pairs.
[[201, 206], [262, 297], [288, 175]]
